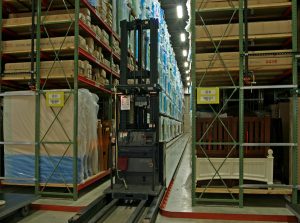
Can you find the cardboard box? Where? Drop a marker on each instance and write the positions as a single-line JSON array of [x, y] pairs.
[[232, 59], [255, 28]]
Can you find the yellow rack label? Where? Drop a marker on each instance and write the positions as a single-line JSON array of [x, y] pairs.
[[210, 95], [55, 99]]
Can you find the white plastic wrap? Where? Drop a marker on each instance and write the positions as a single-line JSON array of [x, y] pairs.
[[19, 126], [188, 28]]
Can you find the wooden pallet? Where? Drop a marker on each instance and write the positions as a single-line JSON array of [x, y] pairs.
[[253, 4], [25, 5], [275, 191], [82, 185], [71, 12], [15, 47], [210, 62], [256, 29], [223, 79], [61, 69], [57, 21], [272, 65]]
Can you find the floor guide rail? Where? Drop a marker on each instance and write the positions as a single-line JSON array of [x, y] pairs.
[[105, 207]]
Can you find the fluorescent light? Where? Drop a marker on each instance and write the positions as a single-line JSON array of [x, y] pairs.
[[186, 64], [182, 37], [179, 11], [188, 78]]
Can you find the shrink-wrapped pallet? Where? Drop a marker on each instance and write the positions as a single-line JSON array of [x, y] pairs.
[[19, 126]]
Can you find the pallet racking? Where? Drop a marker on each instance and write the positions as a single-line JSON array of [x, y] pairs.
[[236, 34], [68, 24]]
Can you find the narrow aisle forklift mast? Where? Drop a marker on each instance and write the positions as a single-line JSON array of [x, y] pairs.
[[139, 156]]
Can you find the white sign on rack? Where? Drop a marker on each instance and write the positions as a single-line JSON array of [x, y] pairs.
[[209, 95], [125, 103]]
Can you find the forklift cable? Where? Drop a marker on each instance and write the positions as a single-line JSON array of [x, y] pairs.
[[116, 142]]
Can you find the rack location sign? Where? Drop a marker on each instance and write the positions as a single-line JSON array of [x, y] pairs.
[[55, 98], [125, 103], [209, 95]]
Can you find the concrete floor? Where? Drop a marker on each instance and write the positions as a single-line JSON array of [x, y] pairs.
[[62, 217], [179, 200], [162, 219], [180, 197]]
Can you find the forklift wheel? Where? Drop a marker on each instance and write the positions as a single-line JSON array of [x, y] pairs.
[[24, 211]]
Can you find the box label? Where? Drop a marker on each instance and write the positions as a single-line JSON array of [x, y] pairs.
[[208, 95], [125, 103], [55, 99]]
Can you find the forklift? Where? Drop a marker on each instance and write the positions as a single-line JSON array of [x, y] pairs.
[[137, 163]]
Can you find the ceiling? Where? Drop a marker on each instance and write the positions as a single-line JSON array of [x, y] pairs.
[[177, 26]]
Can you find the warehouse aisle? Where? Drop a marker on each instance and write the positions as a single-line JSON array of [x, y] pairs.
[[179, 201]]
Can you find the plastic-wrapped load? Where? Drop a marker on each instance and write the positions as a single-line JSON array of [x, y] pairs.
[[56, 153]]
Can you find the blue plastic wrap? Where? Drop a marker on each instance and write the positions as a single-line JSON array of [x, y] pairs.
[[15, 168], [94, 3]]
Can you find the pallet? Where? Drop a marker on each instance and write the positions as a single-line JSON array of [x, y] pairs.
[[269, 68], [267, 37], [253, 4], [58, 22], [223, 79], [270, 63], [231, 59], [255, 29], [275, 191], [25, 5], [80, 186], [15, 47], [273, 64], [61, 69], [27, 21], [84, 11]]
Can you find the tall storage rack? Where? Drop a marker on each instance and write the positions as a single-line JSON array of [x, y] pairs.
[[66, 20], [232, 80]]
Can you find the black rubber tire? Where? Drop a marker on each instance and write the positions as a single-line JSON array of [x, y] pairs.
[[24, 211]]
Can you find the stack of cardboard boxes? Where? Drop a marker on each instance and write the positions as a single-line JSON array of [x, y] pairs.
[[105, 9]]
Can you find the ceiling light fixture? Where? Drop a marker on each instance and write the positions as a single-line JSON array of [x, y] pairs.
[[186, 64], [187, 72], [188, 78], [184, 53], [188, 83], [179, 11], [182, 37]]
